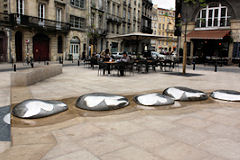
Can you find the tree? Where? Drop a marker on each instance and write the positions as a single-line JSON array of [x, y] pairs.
[[93, 36], [189, 3]]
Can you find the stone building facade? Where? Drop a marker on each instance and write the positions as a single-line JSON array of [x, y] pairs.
[[116, 17], [163, 22], [53, 29], [43, 29], [212, 31]]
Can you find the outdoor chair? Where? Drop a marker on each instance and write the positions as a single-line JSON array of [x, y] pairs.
[[168, 64], [87, 62], [102, 67], [142, 66], [130, 68]]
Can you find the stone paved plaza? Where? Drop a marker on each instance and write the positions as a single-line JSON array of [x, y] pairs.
[[206, 130]]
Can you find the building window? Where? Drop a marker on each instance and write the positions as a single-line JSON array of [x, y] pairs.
[[78, 3], [41, 13], [92, 19], [108, 6], [213, 16], [100, 4], [117, 29], [123, 28], [58, 17], [118, 9], [124, 12], [20, 7], [113, 9], [60, 44], [113, 28], [77, 22], [74, 47], [129, 14], [100, 21]]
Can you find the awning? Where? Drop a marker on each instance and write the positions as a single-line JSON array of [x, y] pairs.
[[137, 36], [208, 34]]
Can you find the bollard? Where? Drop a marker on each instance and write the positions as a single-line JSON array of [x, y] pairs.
[[14, 68], [32, 65], [215, 67], [78, 63], [59, 60], [194, 65], [47, 63]]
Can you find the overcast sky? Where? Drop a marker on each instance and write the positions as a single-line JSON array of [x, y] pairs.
[[166, 4]]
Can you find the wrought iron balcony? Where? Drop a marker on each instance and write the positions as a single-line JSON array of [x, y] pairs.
[[6, 19], [40, 23], [102, 31], [114, 18], [146, 30], [169, 31]]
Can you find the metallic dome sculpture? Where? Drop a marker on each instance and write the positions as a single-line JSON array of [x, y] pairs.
[[153, 99], [101, 102], [34, 108], [226, 95], [185, 94]]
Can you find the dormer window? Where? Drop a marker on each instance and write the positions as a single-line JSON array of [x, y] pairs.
[[213, 16]]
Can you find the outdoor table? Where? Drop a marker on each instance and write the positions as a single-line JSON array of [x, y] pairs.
[[120, 67], [146, 62], [167, 63]]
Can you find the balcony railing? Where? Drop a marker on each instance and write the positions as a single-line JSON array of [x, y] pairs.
[[169, 31], [101, 31], [40, 23], [146, 30], [114, 18], [6, 19]]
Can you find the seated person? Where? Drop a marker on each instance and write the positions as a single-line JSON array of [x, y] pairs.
[[107, 58], [125, 58]]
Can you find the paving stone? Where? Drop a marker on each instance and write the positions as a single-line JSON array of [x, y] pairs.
[[222, 131], [82, 154], [148, 139], [102, 143], [225, 148], [187, 135], [62, 149], [194, 122], [224, 120], [81, 131], [155, 123], [129, 153], [180, 151], [120, 127]]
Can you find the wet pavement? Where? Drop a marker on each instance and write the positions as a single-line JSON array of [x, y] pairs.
[[203, 130]]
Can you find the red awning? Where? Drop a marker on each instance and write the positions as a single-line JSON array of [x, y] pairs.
[[208, 34]]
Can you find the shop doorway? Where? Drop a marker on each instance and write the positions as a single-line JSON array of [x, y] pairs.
[[18, 46], [41, 47]]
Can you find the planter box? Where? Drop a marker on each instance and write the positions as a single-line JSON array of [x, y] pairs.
[[34, 75]]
